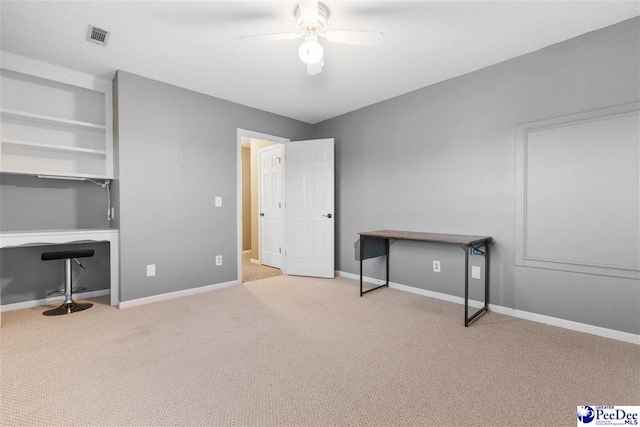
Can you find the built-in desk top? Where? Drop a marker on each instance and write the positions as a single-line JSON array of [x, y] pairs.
[[456, 239], [34, 237], [57, 231]]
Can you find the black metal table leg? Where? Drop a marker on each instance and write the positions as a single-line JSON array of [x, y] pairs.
[[387, 243], [468, 320], [372, 253], [466, 285], [361, 238], [486, 275]]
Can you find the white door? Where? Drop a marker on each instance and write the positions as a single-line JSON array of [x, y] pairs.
[[270, 205], [309, 208]]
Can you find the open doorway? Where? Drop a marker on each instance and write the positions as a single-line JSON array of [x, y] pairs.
[[308, 228], [259, 236]]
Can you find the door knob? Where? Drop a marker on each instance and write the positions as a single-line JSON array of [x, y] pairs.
[[328, 215], [261, 213]]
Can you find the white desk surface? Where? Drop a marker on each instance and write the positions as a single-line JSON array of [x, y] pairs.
[[56, 232]]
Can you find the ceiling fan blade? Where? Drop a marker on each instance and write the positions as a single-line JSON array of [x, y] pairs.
[[313, 69], [360, 38], [309, 11], [270, 37]]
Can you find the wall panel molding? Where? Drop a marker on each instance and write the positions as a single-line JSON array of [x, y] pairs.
[[578, 191]]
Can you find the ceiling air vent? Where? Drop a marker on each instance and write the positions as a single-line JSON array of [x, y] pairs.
[[98, 36]]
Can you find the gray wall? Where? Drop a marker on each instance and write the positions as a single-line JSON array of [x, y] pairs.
[[30, 203], [177, 151], [442, 159]]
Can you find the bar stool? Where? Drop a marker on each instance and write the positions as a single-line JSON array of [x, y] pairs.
[[68, 306]]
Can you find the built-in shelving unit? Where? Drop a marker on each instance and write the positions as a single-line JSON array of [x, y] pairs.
[[54, 121]]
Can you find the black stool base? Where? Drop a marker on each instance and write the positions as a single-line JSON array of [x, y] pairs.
[[68, 308]]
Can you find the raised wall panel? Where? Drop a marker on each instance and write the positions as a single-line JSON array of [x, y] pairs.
[[578, 203]]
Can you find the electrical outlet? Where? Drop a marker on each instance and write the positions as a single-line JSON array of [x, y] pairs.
[[218, 260], [151, 270], [475, 272], [218, 201], [436, 266]]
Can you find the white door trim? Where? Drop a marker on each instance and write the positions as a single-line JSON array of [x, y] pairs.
[[244, 133]]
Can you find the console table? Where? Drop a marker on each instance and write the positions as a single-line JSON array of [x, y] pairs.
[[376, 243], [10, 239]]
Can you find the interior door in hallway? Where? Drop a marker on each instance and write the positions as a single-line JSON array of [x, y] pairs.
[[270, 205]]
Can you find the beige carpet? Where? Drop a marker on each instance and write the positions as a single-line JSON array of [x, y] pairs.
[[252, 272], [299, 351]]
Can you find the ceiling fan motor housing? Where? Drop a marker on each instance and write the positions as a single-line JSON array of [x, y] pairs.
[[313, 27]]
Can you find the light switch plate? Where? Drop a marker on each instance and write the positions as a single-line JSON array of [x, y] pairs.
[[218, 201], [151, 270], [475, 272]]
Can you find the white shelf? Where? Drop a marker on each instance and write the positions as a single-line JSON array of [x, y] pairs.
[[53, 147], [51, 119], [22, 171], [54, 121]]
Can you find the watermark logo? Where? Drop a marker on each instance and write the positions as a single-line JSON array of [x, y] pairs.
[[586, 414], [598, 415]]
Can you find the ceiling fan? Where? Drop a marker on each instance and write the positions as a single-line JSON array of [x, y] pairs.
[[312, 18]]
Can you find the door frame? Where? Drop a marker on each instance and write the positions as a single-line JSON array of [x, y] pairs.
[[260, 190], [245, 133]]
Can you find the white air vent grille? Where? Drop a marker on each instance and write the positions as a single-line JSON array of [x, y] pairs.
[[97, 35]]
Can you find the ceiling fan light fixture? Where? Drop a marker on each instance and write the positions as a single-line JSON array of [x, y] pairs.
[[311, 52]]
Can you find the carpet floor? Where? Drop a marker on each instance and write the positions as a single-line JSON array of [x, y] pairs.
[[302, 351], [252, 272]]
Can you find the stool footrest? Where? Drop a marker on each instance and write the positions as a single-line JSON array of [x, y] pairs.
[[61, 291]]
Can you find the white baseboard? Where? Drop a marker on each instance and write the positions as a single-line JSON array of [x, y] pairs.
[[254, 261], [567, 324], [176, 294], [520, 314], [52, 300]]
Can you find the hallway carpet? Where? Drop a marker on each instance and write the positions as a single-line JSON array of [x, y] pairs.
[[251, 271]]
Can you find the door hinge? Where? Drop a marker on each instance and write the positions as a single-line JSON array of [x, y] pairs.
[[279, 205]]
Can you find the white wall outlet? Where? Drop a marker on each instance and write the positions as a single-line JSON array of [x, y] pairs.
[[218, 201], [475, 272], [151, 270], [218, 260], [436, 266]]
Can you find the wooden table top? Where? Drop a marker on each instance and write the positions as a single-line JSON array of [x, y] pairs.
[[457, 239]]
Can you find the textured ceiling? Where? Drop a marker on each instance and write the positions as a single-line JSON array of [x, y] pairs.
[[195, 44]]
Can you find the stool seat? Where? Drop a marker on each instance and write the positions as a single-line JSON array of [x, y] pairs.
[[82, 253], [69, 306]]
